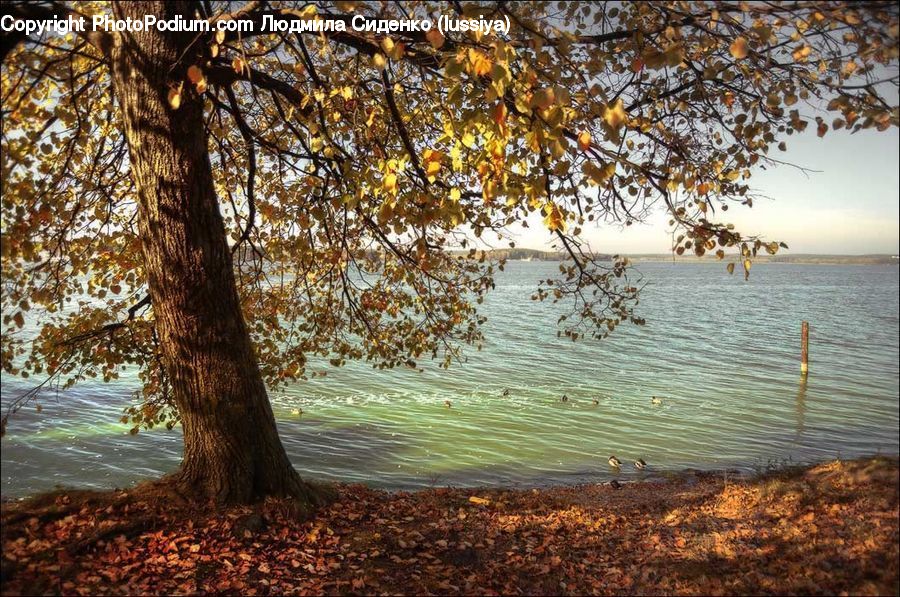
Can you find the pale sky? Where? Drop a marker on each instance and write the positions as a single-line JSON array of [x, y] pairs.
[[848, 205]]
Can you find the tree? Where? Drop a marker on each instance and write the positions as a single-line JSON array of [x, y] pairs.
[[216, 207]]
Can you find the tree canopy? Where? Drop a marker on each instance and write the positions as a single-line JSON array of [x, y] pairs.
[[348, 165]]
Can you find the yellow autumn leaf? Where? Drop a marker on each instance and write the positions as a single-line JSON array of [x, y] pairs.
[[500, 114], [379, 61], [739, 48], [480, 63], [543, 98], [175, 98], [615, 115], [390, 182], [194, 74], [479, 500], [557, 149], [497, 149], [555, 219], [598, 175], [488, 191], [801, 53], [584, 140], [430, 155], [435, 38]]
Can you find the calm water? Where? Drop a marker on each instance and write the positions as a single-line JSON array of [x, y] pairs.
[[723, 353]]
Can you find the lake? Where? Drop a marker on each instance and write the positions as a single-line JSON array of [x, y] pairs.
[[723, 354]]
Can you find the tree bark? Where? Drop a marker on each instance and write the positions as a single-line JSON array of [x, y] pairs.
[[232, 452]]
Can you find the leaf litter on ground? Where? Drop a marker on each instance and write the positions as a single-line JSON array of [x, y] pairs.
[[825, 529]]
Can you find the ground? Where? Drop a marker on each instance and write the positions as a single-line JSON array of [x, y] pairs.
[[827, 529]]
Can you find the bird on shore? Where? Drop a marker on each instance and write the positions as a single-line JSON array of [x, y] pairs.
[[447, 403], [614, 462], [615, 484], [639, 464], [656, 400], [506, 392], [564, 398]]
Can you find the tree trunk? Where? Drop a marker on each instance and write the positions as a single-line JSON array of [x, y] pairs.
[[232, 452]]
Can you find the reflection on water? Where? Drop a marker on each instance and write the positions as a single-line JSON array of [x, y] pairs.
[[723, 354], [801, 404]]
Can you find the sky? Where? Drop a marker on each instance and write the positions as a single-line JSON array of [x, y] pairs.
[[847, 205]]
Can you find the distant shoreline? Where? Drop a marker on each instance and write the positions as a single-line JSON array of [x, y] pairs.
[[799, 258], [781, 260]]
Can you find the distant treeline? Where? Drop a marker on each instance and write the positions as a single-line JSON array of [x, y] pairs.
[[535, 255], [796, 258], [529, 254]]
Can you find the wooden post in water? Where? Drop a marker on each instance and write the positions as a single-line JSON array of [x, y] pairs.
[[804, 348]]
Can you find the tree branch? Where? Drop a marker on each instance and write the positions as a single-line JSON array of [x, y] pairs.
[[109, 328]]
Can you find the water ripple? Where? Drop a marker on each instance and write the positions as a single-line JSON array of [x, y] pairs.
[[721, 353]]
